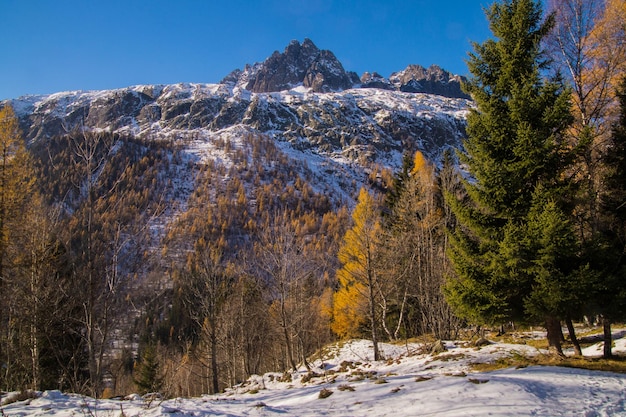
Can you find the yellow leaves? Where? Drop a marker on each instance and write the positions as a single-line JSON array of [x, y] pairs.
[[9, 129], [423, 171], [608, 60], [357, 254], [16, 177], [349, 310], [419, 163], [363, 237]]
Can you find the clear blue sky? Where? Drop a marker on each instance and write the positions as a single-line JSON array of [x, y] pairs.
[[59, 45]]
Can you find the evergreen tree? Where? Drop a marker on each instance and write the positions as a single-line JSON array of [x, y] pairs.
[[514, 147], [148, 375], [610, 291]]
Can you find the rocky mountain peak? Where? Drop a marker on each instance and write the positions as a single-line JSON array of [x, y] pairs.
[[375, 80], [304, 64], [431, 80], [299, 64]]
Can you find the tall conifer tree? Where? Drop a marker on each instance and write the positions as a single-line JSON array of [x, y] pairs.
[[514, 147], [610, 291]]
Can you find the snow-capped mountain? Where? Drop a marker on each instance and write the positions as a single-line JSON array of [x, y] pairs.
[[302, 99]]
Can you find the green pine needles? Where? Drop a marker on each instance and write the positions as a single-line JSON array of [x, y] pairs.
[[512, 243], [148, 375]]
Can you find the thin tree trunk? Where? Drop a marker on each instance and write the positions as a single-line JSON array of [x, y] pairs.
[[304, 359], [214, 367], [400, 319], [572, 335], [608, 338], [283, 312], [383, 306], [373, 321]]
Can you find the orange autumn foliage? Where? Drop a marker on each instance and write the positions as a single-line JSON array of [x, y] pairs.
[[350, 302]]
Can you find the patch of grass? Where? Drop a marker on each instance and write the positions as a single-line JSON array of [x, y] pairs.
[[345, 387], [450, 357], [423, 378], [516, 360], [360, 375], [513, 338], [344, 366], [253, 391], [615, 364], [380, 381], [286, 377]]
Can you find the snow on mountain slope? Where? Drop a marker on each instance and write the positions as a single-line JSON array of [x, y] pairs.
[[341, 133], [302, 99]]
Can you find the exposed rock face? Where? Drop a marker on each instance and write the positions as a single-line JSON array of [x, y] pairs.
[[375, 80], [360, 124], [306, 65], [417, 79], [300, 64], [432, 80]]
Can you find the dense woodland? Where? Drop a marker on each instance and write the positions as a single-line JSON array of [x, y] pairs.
[[108, 288]]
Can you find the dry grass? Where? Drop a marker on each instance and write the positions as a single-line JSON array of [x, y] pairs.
[[616, 364]]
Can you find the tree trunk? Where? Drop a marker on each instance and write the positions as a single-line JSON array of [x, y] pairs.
[[572, 335], [214, 366], [284, 325], [553, 327], [608, 338], [373, 321]]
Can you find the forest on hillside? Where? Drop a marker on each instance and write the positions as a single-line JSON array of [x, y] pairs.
[[109, 288]]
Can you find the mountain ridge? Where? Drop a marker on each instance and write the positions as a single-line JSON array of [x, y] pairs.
[[306, 65], [321, 113]]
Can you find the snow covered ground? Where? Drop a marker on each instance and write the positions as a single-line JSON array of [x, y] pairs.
[[409, 382]]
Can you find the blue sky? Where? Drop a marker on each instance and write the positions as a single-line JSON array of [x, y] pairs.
[[59, 45]]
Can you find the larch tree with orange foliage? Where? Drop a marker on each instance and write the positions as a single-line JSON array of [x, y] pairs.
[[357, 297], [588, 47], [16, 188]]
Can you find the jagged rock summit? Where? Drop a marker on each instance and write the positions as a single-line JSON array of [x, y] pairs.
[[431, 80], [320, 71], [300, 64]]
